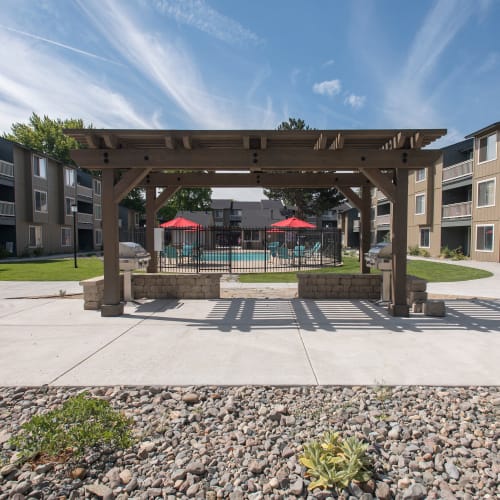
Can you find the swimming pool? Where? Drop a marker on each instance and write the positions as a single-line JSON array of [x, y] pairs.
[[225, 256]]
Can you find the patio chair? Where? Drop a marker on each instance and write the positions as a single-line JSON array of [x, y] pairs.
[[299, 251], [284, 254], [273, 248], [169, 253]]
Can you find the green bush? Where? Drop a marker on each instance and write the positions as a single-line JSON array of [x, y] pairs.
[[38, 252], [423, 252], [415, 250], [4, 253], [81, 423], [334, 462]]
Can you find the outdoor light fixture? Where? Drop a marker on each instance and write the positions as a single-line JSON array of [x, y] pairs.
[[74, 211]]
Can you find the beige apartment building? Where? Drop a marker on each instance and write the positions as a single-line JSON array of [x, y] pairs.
[[455, 203], [37, 197]]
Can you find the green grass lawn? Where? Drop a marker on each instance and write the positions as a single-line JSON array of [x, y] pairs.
[[430, 271], [52, 270], [89, 267]]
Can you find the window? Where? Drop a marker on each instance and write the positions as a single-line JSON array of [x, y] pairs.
[[420, 174], [41, 201], [219, 214], [425, 237], [251, 235], [137, 219], [419, 204], [69, 177], [68, 202], [98, 237], [484, 238], [66, 236], [39, 166], [488, 148], [35, 236], [486, 193], [97, 187], [97, 212]]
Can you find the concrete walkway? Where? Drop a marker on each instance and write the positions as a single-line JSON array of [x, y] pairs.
[[273, 341]]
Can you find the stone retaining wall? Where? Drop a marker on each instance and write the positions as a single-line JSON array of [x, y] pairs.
[[339, 286], [156, 286]]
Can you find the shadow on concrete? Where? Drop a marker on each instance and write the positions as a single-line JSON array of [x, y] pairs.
[[336, 316]]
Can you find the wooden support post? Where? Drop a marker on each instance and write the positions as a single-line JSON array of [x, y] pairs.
[[150, 228], [399, 306], [111, 305], [365, 228]]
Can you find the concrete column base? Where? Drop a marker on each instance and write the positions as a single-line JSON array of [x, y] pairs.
[[402, 310], [108, 310]]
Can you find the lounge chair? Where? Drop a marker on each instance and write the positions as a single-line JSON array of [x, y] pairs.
[[299, 251], [284, 254], [314, 251]]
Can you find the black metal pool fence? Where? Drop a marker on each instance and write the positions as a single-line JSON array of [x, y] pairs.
[[239, 250]]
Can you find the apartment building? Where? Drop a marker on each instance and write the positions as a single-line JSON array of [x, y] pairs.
[[37, 197], [455, 203]]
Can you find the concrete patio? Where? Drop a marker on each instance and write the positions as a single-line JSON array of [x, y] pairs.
[[246, 341]]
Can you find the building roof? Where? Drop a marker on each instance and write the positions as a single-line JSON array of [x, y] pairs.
[[203, 218], [484, 130], [220, 204]]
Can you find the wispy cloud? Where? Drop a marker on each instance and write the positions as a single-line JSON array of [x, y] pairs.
[[33, 80], [62, 45], [168, 66], [355, 101], [406, 100], [492, 60], [328, 87], [199, 15], [330, 62]]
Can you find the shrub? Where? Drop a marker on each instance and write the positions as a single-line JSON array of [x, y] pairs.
[[423, 252], [445, 253], [38, 251], [4, 253], [334, 462], [414, 250], [81, 423]]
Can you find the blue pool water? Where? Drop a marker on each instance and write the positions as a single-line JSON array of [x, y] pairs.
[[235, 256]]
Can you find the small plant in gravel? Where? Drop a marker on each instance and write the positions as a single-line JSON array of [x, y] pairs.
[[80, 424], [333, 462]]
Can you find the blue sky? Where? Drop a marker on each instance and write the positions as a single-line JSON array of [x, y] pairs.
[[201, 64]]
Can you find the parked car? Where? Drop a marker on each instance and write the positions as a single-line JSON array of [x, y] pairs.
[[372, 255]]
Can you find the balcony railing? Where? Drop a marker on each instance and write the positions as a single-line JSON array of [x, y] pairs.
[[457, 170], [84, 218], [84, 191], [453, 210], [6, 169], [7, 208], [383, 220]]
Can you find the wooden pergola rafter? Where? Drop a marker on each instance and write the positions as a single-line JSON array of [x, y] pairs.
[[354, 161]]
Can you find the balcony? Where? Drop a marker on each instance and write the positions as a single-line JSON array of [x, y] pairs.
[[6, 169], [455, 210], [458, 170], [383, 220], [84, 218], [83, 191], [7, 209]]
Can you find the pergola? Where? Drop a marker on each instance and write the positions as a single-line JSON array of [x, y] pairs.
[[353, 161]]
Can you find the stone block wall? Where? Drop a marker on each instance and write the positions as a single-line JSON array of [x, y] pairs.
[[156, 286], [339, 286]]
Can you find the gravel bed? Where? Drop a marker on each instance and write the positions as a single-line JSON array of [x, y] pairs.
[[244, 442]]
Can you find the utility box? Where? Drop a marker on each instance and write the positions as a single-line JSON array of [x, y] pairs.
[[384, 264], [159, 242]]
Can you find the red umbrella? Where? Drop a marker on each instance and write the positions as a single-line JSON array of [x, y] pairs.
[[180, 223], [293, 222]]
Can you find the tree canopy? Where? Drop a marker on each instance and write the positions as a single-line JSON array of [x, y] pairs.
[[186, 199], [46, 136], [306, 201]]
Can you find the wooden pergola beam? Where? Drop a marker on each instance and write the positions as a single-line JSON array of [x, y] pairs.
[[321, 142], [240, 159], [293, 180], [128, 181], [338, 142], [110, 141], [164, 196], [352, 197], [169, 142], [381, 181], [186, 142]]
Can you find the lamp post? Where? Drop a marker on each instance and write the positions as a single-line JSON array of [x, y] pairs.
[[74, 211]]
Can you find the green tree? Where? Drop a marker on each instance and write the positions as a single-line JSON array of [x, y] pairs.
[[46, 136], [307, 201], [186, 199]]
